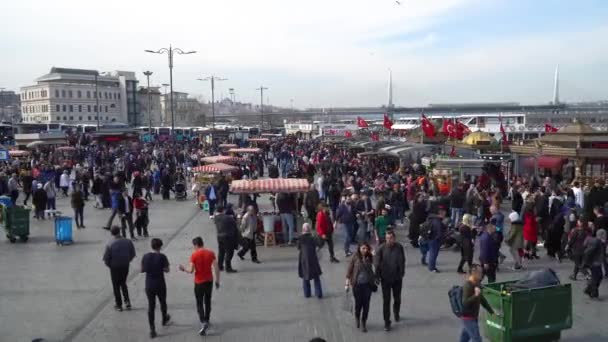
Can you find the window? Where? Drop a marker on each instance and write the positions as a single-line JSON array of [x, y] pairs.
[[69, 93], [56, 92], [79, 94], [520, 119], [89, 118], [62, 92], [95, 117], [80, 108], [57, 108], [95, 108], [119, 96], [94, 94], [71, 118], [59, 118], [89, 108], [112, 105], [106, 109], [71, 108], [107, 118], [114, 96], [88, 94], [80, 118], [65, 118], [65, 108]]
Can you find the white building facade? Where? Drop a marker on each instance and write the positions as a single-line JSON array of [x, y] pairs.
[[150, 107], [77, 96]]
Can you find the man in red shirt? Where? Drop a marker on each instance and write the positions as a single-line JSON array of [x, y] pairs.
[[201, 262], [325, 230]]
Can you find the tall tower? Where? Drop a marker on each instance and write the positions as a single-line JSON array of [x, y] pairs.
[[556, 86], [390, 105]]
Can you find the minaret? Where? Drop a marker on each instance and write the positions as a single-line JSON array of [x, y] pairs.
[[390, 105], [556, 86]]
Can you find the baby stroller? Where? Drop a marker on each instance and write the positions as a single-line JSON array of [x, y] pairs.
[[180, 191]]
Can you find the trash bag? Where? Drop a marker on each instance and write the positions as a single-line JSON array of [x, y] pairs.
[[539, 278]]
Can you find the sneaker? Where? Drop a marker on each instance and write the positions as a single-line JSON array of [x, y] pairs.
[[153, 334], [387, 327], [334, 260], [397, 317], [167, 320], [231, 271], [349, 253], [118, 308], [241, 257], [128, 306], [256, 261], [435, 271], [461, 271], [203, 330]]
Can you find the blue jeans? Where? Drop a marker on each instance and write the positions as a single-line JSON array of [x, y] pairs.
[[50, 204], [287, 224], [318, 290], [424, 250], [348, 235], [456, 216], [470, 331], [433, 253]]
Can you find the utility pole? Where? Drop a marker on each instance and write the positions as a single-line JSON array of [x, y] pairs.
[[170, 51], [261, 89], [148, 74], [212, 79]]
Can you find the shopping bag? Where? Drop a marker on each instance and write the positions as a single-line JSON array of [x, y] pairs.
[[347, 302]]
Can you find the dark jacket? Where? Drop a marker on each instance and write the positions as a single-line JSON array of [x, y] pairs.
[[595, 252], [346, 215], [470, 303], [308, 262], [286, 203], [488, 249], [457, 199], [77, 199], [39, 199], [122, 206], [312, 200], [226, 226], [390, 263], [119, 253], [518, 202], [437, 228], [357, 265]]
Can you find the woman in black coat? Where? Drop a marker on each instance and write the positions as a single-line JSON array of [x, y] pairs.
[[39, 199], [417, 217], [308, 262], [467, 246], [556, 231]]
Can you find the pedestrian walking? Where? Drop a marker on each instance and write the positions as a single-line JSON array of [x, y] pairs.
[[13, 188], [594, 259], [325, 230], [64, 182], [204, 265], [125, 210], [117, 257], [360, 278], [467, 245], [576, 246], [515, 240], [346, 216], [390, 270], [155, 264], [308, 262], [472, 299], [141, 215], [249, 226], [77, 201], [227, 238], [488, 251], [51, 195]]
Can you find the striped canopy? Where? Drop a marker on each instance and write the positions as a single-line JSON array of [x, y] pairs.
[[18, 153], [215, 168], [289, 185], [222, 159], [228, 145], [245, 150], [259, 140]]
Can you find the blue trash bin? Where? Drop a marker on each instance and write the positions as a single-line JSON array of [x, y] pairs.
[[6, 201], [63, 230]]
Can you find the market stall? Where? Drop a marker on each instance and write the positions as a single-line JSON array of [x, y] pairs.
[[271, 221], [228, 146], [245, 150], [215, 168], [18, 153], [222, 159]]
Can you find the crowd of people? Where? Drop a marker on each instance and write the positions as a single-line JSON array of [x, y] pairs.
[[369, 201]]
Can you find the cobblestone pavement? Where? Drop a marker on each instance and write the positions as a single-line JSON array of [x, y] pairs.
[[64, 293]]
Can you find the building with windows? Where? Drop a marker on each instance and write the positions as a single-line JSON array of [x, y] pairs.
[[188, 111], [74, 96], [154, 109], [9, 106]]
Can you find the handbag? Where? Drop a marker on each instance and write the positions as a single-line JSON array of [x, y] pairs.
[[347, 302]]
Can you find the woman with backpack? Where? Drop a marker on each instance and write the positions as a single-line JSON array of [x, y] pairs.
[[360, 277]]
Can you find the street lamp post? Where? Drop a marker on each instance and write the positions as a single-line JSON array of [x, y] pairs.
[[97, 100], [148, 74], [170, 51], [261, 89], [212, 79]]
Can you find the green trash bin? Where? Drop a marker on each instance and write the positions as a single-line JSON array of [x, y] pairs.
[[16, 223], [529, 315]]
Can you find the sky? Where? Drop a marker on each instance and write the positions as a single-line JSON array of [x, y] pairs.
[[323, 53]]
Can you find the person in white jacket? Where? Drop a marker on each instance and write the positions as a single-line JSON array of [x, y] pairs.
[[64, 182]]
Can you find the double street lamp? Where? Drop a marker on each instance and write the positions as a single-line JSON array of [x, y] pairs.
[[212, 79], [170, 51]]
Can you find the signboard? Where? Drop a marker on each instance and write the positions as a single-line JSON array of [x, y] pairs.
[[3, 154]]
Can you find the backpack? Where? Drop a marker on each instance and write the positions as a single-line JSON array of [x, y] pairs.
[[455, 295], [426, 230]]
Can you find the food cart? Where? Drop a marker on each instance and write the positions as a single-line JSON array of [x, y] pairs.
[[64, 155], [244, 150], [271, 185], [18, 153], [223, 159], [205, 175]]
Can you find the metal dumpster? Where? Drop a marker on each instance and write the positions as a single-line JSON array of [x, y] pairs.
[[16, 222], [529, 315]]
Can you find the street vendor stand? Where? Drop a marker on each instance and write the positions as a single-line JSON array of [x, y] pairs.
[[228, 146], [205, 175], [18, 153], [245, 150], [64, 155], [222, 159], [276, 185]]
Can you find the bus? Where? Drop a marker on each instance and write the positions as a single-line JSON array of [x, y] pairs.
[[86, 128], [162, 133]]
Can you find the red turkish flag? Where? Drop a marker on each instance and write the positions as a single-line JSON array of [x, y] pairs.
[[550, 129], [362, 123], [505, 140], [453, 152], [461, 130], [448, 128], [375, 137], [388, 124], [348, 134], [427, 127]]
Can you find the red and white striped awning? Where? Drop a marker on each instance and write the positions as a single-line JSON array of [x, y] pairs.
[[228, 145], [18, 153], [259, 140], [289, 185], [222, 159], [245, 150], [215, 168]]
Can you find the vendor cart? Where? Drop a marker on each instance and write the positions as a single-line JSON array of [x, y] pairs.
[[16, 221]]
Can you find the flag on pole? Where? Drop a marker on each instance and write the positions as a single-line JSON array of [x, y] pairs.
[[427, 127], [375, 136], [550, 129], [504, 140], [362, 123], [348, 134], [388, 124], [461, 130], [448, 128]]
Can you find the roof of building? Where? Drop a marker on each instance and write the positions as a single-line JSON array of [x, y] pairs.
[[55, 70]]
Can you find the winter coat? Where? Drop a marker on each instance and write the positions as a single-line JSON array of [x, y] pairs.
[[324, 224], [515, 237], [308, 262], [530, 228]]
